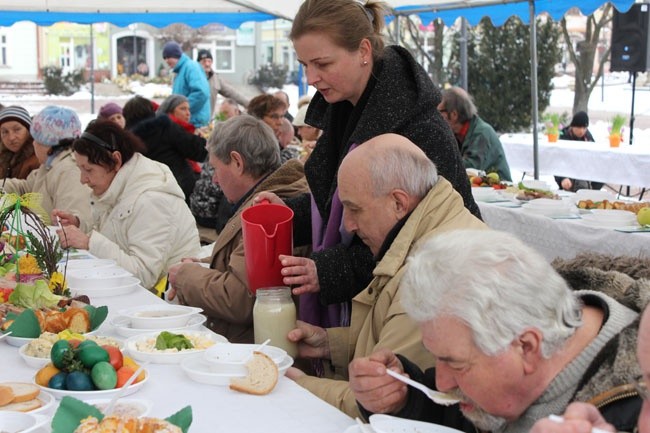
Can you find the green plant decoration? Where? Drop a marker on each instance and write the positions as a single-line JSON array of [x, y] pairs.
[[617, 125]]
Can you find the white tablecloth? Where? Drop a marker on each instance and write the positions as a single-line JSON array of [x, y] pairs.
[[288, 408], [563, 238], [624, 165]]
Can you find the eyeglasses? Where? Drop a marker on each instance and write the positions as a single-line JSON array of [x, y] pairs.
[[641, 387], [274, 116]]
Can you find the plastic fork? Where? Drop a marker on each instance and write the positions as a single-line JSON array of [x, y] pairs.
[[438, 397]]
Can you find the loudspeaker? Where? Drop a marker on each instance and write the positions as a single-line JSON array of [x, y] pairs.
[[630, 39]]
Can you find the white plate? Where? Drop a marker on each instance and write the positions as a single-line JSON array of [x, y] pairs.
[[87, 395], [391, 424], [126, 285], [596, 221], [123, 327], [551, 212], [140, 405], [88, 264], [160, 316], [237, 354], [200, 371], [20, 422], [101, 278], [47, 403], [536, 184], [168, 357]]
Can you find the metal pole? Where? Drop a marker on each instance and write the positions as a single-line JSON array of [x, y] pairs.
[[533, 85], [632, 111], [463, 53], [135, 51], [92, 71]]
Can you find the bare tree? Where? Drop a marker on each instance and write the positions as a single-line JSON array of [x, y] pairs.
[[583, 56], [186, 36]]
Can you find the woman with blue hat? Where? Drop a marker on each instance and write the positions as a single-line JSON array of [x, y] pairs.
[[57, 178]]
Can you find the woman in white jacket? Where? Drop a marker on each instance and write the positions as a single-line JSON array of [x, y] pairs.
[[139, 214]]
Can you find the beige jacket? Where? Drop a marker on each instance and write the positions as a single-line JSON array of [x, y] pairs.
[[222, 291], [378, 317], [142, 221], [60, 187]]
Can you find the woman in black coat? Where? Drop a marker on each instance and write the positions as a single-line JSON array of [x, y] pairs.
[[166, 141]]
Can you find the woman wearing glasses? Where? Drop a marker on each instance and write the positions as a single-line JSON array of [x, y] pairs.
[[139, 215], [270, 109]]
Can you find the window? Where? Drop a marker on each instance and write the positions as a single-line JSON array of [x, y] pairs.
[[224, 60], [3, 50]]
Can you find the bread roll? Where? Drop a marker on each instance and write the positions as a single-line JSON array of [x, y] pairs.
[[23, 406], [262, 376], [116, 424], [6, 395], [23, 391], [78, 320]]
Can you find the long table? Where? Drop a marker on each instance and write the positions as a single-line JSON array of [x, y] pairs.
[[216, 409], [624, 165], [563, 238]]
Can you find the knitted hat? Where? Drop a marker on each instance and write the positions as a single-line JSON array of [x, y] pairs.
[[203, 54], [53, 124], [580, 119], [14, 112], [299, 120], [109, 109], [172, 49], [170, 103]]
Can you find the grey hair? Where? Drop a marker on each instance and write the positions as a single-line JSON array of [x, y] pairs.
[[170, 103], [458, 100], [251, 138], [493, 283], [401, 168]]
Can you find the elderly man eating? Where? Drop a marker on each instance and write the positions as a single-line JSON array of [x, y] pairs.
[[512, 341], [392, 197]]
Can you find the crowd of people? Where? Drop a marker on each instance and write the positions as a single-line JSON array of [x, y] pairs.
[[392, 267]]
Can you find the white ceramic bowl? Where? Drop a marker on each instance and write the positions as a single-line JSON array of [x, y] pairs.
[[19, 422], [100, 278], [87, 395], [484, 193], [390, 424], [123, 285], [610, 218], [132, 407], [231, 358], [159, 316], [47, 403], [171, 357], [88, 264], [123, 326], [32, 361]]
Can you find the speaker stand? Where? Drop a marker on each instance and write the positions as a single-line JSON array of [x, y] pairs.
[[632, 110]]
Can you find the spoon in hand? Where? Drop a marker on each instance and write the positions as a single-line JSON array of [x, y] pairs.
[[438, 397]]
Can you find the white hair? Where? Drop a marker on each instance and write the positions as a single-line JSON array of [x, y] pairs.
[[401, 168], [494, 284]]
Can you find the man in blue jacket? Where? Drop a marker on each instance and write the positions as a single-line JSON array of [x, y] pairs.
[[190, 81]]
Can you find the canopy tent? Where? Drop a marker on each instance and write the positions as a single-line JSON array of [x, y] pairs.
[[232, 13]]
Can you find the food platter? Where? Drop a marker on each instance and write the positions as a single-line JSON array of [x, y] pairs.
[[199, 370], [87, 395], [21, 341], [135, 344], [123, 326]]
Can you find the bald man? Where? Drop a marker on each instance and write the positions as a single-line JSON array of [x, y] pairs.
[[392, 197]]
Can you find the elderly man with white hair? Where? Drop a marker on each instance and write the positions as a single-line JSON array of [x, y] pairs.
[[513, 342]]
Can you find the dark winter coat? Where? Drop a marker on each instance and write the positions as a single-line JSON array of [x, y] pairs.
[[172, 145], [403, 100], [567, 134]]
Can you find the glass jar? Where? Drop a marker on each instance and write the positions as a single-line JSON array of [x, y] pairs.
[[274, 315]]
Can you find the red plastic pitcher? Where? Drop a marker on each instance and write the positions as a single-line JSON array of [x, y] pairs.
[[268, 232]]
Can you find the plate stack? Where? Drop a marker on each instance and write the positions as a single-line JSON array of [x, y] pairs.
[[550, 208], [102, 282], [610, 218]]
